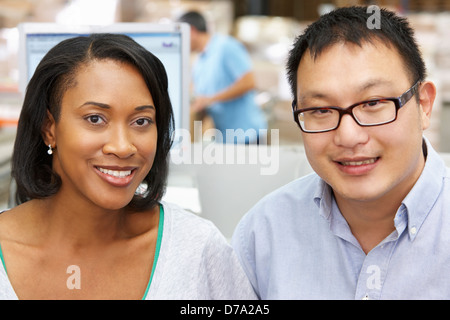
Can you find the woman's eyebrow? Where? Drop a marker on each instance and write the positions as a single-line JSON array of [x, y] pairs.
[[106, 106], [97, 104], [145, 107]]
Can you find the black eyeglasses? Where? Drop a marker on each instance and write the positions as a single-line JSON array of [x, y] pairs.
[[368, 113]]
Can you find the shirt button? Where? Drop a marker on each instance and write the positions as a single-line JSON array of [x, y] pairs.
[[366, 297], [413, 230]]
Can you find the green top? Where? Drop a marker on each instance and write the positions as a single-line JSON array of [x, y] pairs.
[[157, 249]]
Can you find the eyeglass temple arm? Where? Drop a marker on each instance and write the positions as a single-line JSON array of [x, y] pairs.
[[409, 94]]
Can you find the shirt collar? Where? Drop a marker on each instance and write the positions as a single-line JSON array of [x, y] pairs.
[[417, 204], [211, 43], [323, 198]]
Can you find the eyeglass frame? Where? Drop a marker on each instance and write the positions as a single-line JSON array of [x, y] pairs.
[[398, 101]]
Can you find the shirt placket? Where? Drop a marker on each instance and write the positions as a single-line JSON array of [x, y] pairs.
[[375, 268]]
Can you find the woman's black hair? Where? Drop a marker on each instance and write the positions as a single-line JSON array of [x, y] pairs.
[[32, 166], [355, 25]]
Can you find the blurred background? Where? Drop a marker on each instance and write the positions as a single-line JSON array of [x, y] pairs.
[[266, 27]]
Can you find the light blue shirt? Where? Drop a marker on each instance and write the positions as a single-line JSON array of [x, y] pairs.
[[295, 244], [223, 62]]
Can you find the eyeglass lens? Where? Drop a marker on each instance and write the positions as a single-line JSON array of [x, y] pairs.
[[370, 113]]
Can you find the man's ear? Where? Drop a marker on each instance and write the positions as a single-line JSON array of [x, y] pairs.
[[427, 93], [49, 129]]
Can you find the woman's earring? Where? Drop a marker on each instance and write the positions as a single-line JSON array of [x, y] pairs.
[[50, 151]]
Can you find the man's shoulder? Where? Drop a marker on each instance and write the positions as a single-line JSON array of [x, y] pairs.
[[294, 198], [297, 190], [227, 43], [286, 213]]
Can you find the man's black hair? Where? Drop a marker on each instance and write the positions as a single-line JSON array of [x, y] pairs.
[[350, 25], [195, 19]]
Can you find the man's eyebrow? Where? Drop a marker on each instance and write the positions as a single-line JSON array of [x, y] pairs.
[[375, 83], [370, 84], [106, 106], [312, 95]]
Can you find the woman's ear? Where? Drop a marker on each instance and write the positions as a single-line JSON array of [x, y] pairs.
[[48, 130]]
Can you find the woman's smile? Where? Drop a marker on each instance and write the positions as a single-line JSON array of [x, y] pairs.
[[120, 177]]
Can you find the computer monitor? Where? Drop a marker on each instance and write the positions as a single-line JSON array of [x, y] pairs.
[[169, 42]]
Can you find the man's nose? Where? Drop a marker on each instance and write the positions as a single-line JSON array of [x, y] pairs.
[[349, 133]]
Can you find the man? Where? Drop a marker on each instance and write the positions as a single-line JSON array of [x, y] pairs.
[[372, 221], [224, 82]]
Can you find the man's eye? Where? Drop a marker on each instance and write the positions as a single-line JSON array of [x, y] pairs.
[[323, 111], [320, 112], [372, 104]]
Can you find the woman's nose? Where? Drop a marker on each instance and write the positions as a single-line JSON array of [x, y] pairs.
[[119, 143]]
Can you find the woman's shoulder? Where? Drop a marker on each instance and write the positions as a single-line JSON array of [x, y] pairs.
[[190, 227], [9, 219], [18, 222], [182, 216]]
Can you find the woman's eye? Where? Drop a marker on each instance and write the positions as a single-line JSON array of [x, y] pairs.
[[143, 122], [94, 119]]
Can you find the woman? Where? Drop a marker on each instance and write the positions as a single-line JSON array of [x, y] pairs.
[[96, 126]]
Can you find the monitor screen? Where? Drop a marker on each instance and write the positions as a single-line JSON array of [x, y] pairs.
[[169, 42]]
